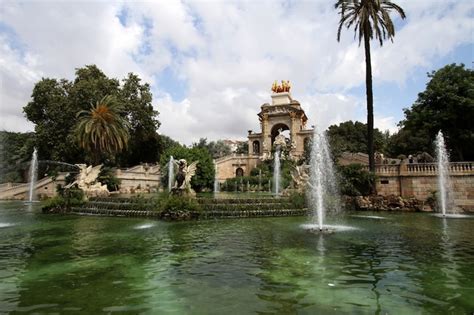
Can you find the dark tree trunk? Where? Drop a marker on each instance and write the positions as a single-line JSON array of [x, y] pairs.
[[370, 104]]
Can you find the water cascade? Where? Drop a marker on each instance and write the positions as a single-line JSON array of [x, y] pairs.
[[323, 193], [170, 173], [276, 171], [444, 183], [33, 174]]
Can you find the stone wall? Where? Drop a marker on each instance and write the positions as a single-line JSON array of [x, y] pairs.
[[227, 166], [140, 178], [45, 188], [420, 181]]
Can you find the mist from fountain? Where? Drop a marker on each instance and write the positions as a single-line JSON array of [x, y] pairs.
[[323, 190], [276, 171], [33, 175], [170, 173]]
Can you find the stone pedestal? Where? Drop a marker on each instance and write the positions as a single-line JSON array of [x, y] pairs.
[[281, 98]]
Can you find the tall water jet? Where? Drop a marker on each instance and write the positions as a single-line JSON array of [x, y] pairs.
[[170, 173], [323, 192], [276, 171], [444, 182], [33, 174], [216, 181]]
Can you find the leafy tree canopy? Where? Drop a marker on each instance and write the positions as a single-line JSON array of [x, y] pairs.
[[352, 137], [217, 148], [55, 103], [447, 104], [15, 153]]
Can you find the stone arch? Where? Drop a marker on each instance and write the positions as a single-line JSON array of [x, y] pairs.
[[239, 172], [275, 128], [256, 147]]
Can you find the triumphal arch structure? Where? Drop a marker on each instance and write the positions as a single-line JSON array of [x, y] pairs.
[[284, 116]]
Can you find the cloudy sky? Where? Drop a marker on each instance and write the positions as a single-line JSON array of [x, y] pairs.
[[211, 63]]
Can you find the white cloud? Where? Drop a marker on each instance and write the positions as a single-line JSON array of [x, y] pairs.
[[228, 53]]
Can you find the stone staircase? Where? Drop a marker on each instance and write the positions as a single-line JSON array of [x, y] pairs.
[[120, 207], [248, 208], [211, 208]]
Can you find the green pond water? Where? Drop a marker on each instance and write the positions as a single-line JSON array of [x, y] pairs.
[[401, 264]]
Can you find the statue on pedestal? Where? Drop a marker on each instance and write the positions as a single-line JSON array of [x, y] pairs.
[[182, 185]]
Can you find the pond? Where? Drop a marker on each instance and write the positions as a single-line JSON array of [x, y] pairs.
[[393, 263]]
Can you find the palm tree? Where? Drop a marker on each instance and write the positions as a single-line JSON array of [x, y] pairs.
[[101, 129], [370, 18]]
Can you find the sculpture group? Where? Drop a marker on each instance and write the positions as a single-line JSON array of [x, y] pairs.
[[87, 181], [284, 87]]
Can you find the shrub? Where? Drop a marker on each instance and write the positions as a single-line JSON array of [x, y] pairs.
[[298, 200], [355, 181], [66, 198], [171, 203]]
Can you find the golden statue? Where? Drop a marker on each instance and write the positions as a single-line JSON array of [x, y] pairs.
[[284, 87]]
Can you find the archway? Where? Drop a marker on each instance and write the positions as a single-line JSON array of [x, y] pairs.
[[239, 172], [275, 131]]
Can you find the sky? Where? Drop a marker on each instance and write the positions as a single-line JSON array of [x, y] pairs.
[[211, 64]]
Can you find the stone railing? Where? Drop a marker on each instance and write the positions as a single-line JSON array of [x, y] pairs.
[[424, 169]]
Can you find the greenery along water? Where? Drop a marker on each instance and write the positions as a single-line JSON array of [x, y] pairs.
[[401, 264]]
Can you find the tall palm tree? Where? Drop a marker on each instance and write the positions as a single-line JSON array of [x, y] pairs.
[[101, 129], [370, 18]]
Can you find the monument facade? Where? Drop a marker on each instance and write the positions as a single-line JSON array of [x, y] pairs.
[[283, 117]]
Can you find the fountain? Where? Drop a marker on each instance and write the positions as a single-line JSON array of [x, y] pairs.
[[445, 188], [170, 173], [323, 192], [33, 174], [276, 171], [216, 181]]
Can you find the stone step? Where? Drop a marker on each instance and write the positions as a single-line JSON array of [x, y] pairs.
[[247, 206], [204, 201], [253, 213]]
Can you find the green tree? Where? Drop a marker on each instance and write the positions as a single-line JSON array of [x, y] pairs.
[[15, 153], [370, 18], [102, 131], [242, 147], [144, 145], [351, 136], [217, 148], [447, 104], [55, 103]]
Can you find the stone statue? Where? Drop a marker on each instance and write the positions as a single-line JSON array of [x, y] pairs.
[[280, 140], [284, 87], [300, 177], [86, 180], [424, 157], [183, 177]]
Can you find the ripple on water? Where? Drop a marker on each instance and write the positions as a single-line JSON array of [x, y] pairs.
[[328, 228], [4, 225], [376, 217], [143, 226]]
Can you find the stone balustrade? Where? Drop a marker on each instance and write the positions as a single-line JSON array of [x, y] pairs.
[[422, 169]]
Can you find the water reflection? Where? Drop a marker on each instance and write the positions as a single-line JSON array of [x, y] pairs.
[[404, 264]]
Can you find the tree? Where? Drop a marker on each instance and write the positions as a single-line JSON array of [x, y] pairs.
[[351, 136], [102, 131], [447, 104], [144, 145], [242, 147], [15, 153], [55, 103], [217, 148], [370, 18]]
